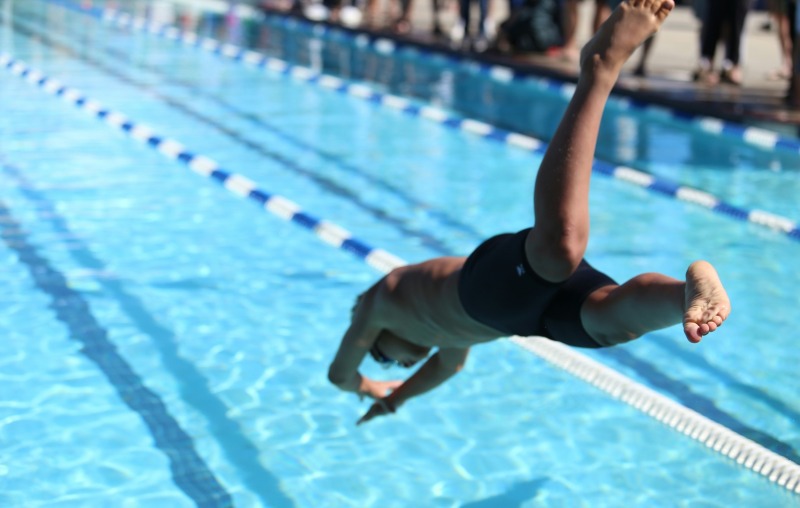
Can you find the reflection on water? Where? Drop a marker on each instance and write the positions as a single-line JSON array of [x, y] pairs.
[[674, 150]]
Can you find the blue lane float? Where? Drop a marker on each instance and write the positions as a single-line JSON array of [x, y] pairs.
[[743, 451]]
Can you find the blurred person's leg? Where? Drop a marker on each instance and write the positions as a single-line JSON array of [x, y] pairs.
[[465, 7], [569, 23], [779, 10], [731, 69], [641, 67], [482, 42], [459, 33], [794, 87], [436, 5], [711, 20], [602, 9], [371, 13], [334, 7], [402, 24]]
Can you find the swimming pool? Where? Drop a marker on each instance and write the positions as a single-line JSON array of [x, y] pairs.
[[168, 342]]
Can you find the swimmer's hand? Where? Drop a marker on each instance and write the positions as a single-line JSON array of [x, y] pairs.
[[381, 407], [377, 389]]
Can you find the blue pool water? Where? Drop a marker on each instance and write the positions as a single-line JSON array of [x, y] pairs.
[[167, 343]]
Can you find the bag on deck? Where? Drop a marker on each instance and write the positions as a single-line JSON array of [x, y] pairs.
[[535, 26]]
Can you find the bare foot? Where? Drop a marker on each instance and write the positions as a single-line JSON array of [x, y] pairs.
[[706, 302], [632, 23], [569, 53]]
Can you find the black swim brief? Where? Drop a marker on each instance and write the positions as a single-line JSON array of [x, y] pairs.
[[498, 288]]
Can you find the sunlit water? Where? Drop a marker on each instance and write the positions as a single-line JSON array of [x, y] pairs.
[[167, 343]]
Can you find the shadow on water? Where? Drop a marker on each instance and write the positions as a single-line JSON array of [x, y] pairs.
[[189, 472], [730, 381], [703, 405], [515, 496]]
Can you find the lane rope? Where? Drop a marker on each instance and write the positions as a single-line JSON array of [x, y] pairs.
[[743, 451], [256, 59]]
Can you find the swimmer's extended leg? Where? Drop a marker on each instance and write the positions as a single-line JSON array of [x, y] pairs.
[[558, 240], [653, 301]]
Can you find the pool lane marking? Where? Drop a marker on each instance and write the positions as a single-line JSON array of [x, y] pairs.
[[189, 471], [745, 452], [359, 90], [236, 447]]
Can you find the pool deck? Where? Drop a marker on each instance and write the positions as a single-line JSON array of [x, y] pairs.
[[759, 101]]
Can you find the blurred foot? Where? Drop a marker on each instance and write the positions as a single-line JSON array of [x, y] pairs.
[[731, 76], [569, 53], [705, 75], [457, 32], [780, 74], [401, 26], [481, 44]]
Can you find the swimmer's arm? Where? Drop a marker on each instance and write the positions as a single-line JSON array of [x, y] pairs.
[[343, 371], [356, 343], [439, 368]]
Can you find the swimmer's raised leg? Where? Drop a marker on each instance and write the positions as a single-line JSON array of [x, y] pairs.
[[557, 242]]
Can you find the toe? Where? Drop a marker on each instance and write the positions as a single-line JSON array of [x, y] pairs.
[[664, 9], [692, 332]]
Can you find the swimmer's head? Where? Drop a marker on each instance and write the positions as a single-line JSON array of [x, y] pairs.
[[390, 350]]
